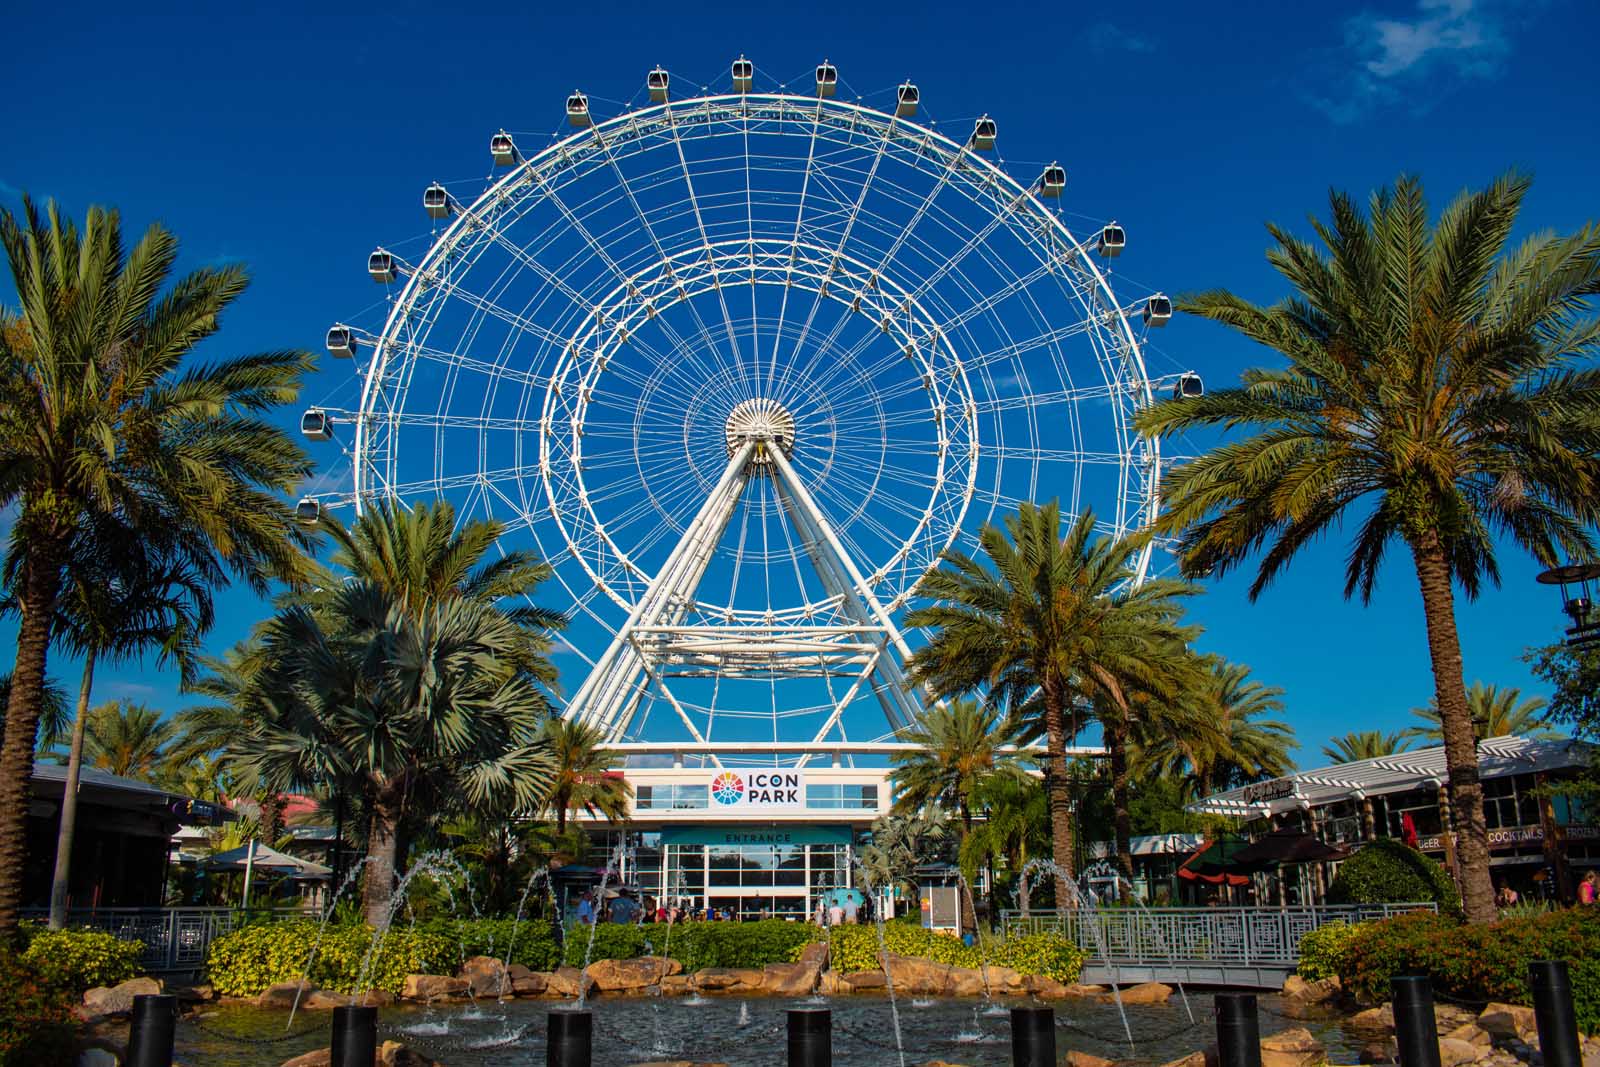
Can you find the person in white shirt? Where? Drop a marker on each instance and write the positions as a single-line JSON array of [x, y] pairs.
[[835, 914]]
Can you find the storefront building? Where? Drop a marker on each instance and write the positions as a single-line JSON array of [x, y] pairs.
[[1539, 840]]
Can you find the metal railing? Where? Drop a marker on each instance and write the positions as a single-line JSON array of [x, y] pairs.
[[174, 939], [1234, 936]]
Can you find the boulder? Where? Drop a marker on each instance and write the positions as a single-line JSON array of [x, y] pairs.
[[485, 977], [1292, 1048], [1507, 1020], [677, 1063], [1373, 1020], [321, 1057], [1193, 1059], [1046, 988], [430, 987], [529, 985], [918, 976], [860, 981], [1309, 1000], [631, 976], [1471, 1033], [1075, 1058], [967, 982], [1006, 979], [1453, 1052], [815, 955], [118, 999], [1145, 993], [1383, 1051], [831, 984], [677, 985], [194, 994], [517, 970], [788, 979], [567, 981], [394, 1054], [282, 994], [729, 979]]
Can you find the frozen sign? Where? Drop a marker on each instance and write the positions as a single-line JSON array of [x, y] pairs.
[[758, 789]]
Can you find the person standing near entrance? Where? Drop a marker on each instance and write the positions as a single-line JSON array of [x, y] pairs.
[[835, 913], [1589, 888], [850, 911]]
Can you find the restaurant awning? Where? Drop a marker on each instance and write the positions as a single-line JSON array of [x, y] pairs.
[[1215, 863]]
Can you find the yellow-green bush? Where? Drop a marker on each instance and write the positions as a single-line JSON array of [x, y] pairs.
[[81, 959], [1322, 950], [247, 961], [855, 948]]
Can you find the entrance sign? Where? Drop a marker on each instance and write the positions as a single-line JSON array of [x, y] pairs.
[[756, 835], [757, 790]]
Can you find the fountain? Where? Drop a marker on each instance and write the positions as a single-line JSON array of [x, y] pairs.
[[888, 971], [316, 944], [1129, 893], [1091, 920]]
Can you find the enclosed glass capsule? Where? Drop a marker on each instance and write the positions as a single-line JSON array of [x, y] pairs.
[[744, 75], [341, 341], [381, 266], [1188, 385], [983, 133], [906, 100], [435, 201], [827, 80], [315, 425], [657, 82], [308, 511], [1053, 180], [503, 149], [1157, 311], [1113, 239], [578, 111]]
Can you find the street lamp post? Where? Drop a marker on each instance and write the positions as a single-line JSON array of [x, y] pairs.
[[1577, 600]]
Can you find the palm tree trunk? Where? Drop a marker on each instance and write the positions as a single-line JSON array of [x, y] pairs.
[[382, 845], [62, 880], [1116, 734], [1060, 798], [41, 584], [271, 817], [1455, 718]]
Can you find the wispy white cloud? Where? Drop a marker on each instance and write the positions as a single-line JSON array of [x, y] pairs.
[[120, 689], [1412, 60], [1109, 37]]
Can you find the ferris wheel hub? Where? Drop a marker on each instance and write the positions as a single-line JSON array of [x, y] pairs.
[[762, 420]]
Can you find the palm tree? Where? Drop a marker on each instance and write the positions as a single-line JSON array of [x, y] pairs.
[[101, 419], [1015, 826], [1496, 712], [218, 729], [1365, 744], [960, 749], [583, 773], [1244, 747], [899, 843], [54, 719], [1433, 397], [127, 739], [428, 711], [1056, 626]]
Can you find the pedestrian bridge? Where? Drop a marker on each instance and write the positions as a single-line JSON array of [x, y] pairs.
[[1255, 947]]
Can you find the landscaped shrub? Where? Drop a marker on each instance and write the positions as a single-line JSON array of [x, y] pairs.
[[855, 948], [1585, 975], [695, 945], [1048, 954], [36, 1019], [1386, 871], [77, 960], [1475, 962], [247, 961], [1322, 951]]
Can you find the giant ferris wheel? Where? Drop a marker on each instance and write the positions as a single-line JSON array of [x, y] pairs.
[[741, 365]]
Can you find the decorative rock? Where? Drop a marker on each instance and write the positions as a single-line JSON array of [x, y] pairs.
[[1005, 978], [1309, 1000], [322, 1000], [118, 999], [631, 976], [282, 994], [1385, 1051], [1292, 1048], [1453, 1052], [430, 987], [967, 982], [1076, 1058], [788, 979], [1193, 1059], [567, 981], [729, 979], [815, 955], [1373, 1019], [194, 994], [1145, 993], [485, 977], [831, 984], [394, 1054], [862, 980], [919, 976], [1046, 988], [678, 1063], [529, 985], [321, 1057], [677, 985], [1471, 1033], [1507, 1020]]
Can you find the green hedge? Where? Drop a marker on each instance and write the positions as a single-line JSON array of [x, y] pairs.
[[1477, 962], [1322, 951], [1386, 871], [76, 960], [695, 945], [37, 1024], [855, 948]]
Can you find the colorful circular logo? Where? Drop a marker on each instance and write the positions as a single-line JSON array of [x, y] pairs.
[[727, 788]]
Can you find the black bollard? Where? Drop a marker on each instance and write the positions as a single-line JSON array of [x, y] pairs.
[[1552, 1007], [1416, 1032], [571, 1042], [1238, 1030], [155, 1021], [355, 1036], [1033, 1037], [810, 1037]]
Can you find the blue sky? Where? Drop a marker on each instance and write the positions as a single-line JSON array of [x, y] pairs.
[[295, 140]]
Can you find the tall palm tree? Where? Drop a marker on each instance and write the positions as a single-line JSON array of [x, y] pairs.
[[55, 719], [1365, 744], [583, 778], [1245, 747], [1496, 712], [959, 750], [1434, 395], [102, 418], [1055, 626], [429, 711], [127, 739], [1015, 825]]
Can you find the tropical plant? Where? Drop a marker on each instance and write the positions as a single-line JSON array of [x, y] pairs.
[[1434, 396], [127, 739], [101, 419], [585, 779], [1015, 827], [1245, 747], [55, 720], [1387, 871], [961, 748], [900, 843], [1365, 744], [433, 712], [1055, 627], [1496, 712]]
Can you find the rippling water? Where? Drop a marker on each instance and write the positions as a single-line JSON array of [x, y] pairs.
[[738, 1031]]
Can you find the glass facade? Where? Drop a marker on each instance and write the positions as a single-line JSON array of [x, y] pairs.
[[749, 881], [849, 796]]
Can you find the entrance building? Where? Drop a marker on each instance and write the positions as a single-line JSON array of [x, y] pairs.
[[742, 838]]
